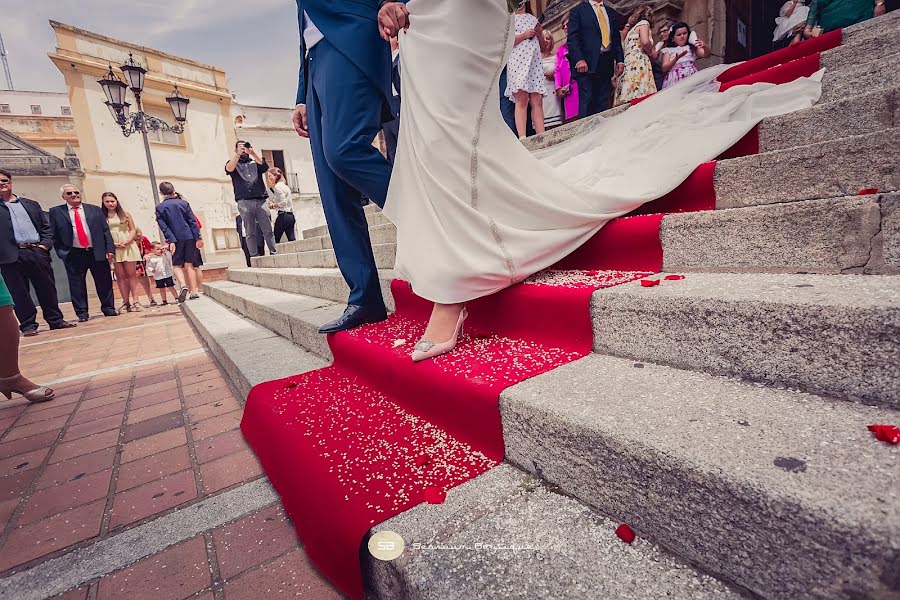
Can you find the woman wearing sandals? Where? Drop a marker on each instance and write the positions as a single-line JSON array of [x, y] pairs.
[[11, 379], [123, 231]]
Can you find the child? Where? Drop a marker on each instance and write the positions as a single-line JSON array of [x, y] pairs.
[[159, 266], [792, 19], [525, 72], [679, 57]]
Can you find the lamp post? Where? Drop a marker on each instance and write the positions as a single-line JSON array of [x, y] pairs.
[[131, 122]]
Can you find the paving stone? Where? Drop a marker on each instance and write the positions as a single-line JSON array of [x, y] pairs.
[[203, 386], [51, 412], [155, 410], [254, 540], [154, 388], [79, 466], [58, 499], [103, 400], [214, 409], [23, 462], [153, 444], [213, 396], [23, 431], [153, 467], [73, 432], [9, 409], [7, 508], [153, 399], [76, 594], [219, 424], [13, 486], [153, 426], [220, 445], [86, 445], [178, 572], [37, 539], [229, 470], [21, 446], [142, 381], [92, 414], [291, 576], [152, 498]]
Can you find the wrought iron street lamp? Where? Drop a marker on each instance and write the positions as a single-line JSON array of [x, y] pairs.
[[132, 122]]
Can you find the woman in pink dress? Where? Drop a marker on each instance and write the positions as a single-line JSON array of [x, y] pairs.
[[566, 86]]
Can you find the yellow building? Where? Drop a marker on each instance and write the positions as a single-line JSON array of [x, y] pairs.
[[194, 160]]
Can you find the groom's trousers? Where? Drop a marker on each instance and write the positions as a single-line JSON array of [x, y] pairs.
[[344, 111]]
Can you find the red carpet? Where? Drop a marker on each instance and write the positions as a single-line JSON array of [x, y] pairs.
[[356, 443]]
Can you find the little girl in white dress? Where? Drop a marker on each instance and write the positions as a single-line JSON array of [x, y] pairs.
[[793, 13], [525, 73]]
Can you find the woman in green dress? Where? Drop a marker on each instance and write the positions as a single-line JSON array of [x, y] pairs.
[[11, 380], [833, 14]]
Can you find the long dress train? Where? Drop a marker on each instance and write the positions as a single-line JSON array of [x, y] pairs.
[[477, 212]]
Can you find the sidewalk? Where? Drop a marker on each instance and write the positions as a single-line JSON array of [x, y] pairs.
[[135, 482]]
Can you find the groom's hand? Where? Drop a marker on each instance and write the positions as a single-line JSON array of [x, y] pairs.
[[299, 119], [392, 17]]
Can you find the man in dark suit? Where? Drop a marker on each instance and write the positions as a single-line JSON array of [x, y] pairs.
[[83, 242], [25, 242], [345, 65], [595, 53], [392, 127]]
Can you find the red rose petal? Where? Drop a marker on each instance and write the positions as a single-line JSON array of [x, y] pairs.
[[674, 277], [422, 460], [434, 495], [290, 385], [889, 434], [649, 282], [625, 533], [867, 191]]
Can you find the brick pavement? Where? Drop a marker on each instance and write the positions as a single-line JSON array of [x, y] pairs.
[[144, 424]]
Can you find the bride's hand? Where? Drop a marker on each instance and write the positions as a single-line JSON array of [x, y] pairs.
[[392, 17]]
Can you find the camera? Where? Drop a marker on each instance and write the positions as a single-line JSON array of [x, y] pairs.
[[247, 145]]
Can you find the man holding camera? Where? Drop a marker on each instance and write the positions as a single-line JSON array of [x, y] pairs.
[[247, 171]]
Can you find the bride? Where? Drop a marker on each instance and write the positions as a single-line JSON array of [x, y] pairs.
[[477, 212]]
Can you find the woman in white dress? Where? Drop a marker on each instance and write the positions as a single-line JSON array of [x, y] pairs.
[[525, 73], [477, 212]]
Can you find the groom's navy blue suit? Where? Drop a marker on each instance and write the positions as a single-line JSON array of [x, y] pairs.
[[345, 83]]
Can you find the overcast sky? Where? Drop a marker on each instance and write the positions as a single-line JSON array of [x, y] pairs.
[[254, 41]]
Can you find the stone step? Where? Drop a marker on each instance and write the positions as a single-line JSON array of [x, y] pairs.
[[327, 284], [249, 352], [785, 493], [385, 254], [378, 234], [522, 536], [833, 335], [851, 74], [505, 535], [837, 235], [825, 170], [374, 217]]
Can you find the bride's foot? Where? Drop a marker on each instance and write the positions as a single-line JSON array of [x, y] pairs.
[[444, 328]]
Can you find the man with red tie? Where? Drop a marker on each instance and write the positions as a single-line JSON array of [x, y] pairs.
[[83, 242], [595, 53]]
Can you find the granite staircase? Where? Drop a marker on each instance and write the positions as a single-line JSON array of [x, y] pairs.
[[722, 416]]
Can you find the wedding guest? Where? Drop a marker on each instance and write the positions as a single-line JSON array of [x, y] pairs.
[[791, 19], [552, 101], [566, 86], [144, 247], [662, 35], [280, 201], [177, 222], [679, 57], [124, 233], [595, 49], [827, 15], [260, 248], [247, 171], [159, 267], [25, 242], [525, 77], [637, 79], [11, 379]]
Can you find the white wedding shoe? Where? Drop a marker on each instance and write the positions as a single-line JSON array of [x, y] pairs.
[[426, 349]]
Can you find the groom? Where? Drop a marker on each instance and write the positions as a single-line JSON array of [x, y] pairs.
[[343, 97]]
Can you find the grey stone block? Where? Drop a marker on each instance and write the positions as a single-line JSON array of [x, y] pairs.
[[248, 276], [781, 492], [867, 113], [326, 242], [834, 335], [323, 259], [524, 541], [385, 255], [890, 231], [861, 78], [827, 170], [814, 236], [383, 234], [285, 247], [315, 231], [305, 245], [287, 260], [269, 278], [263, 262]]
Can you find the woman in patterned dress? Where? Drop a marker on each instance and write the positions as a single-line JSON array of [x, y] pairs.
[[637, 79], [525, 72]]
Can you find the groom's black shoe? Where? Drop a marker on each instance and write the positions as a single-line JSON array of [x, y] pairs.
[[354, 316]]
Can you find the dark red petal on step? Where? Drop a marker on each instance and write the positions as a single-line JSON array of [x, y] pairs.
[[649, 282], [889, 434], [422, 460], [435, 495], [625, 533], [867, 191], [290, 385], [674, 277]]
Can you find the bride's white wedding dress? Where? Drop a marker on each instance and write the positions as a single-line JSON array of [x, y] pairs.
[[476, 211]]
